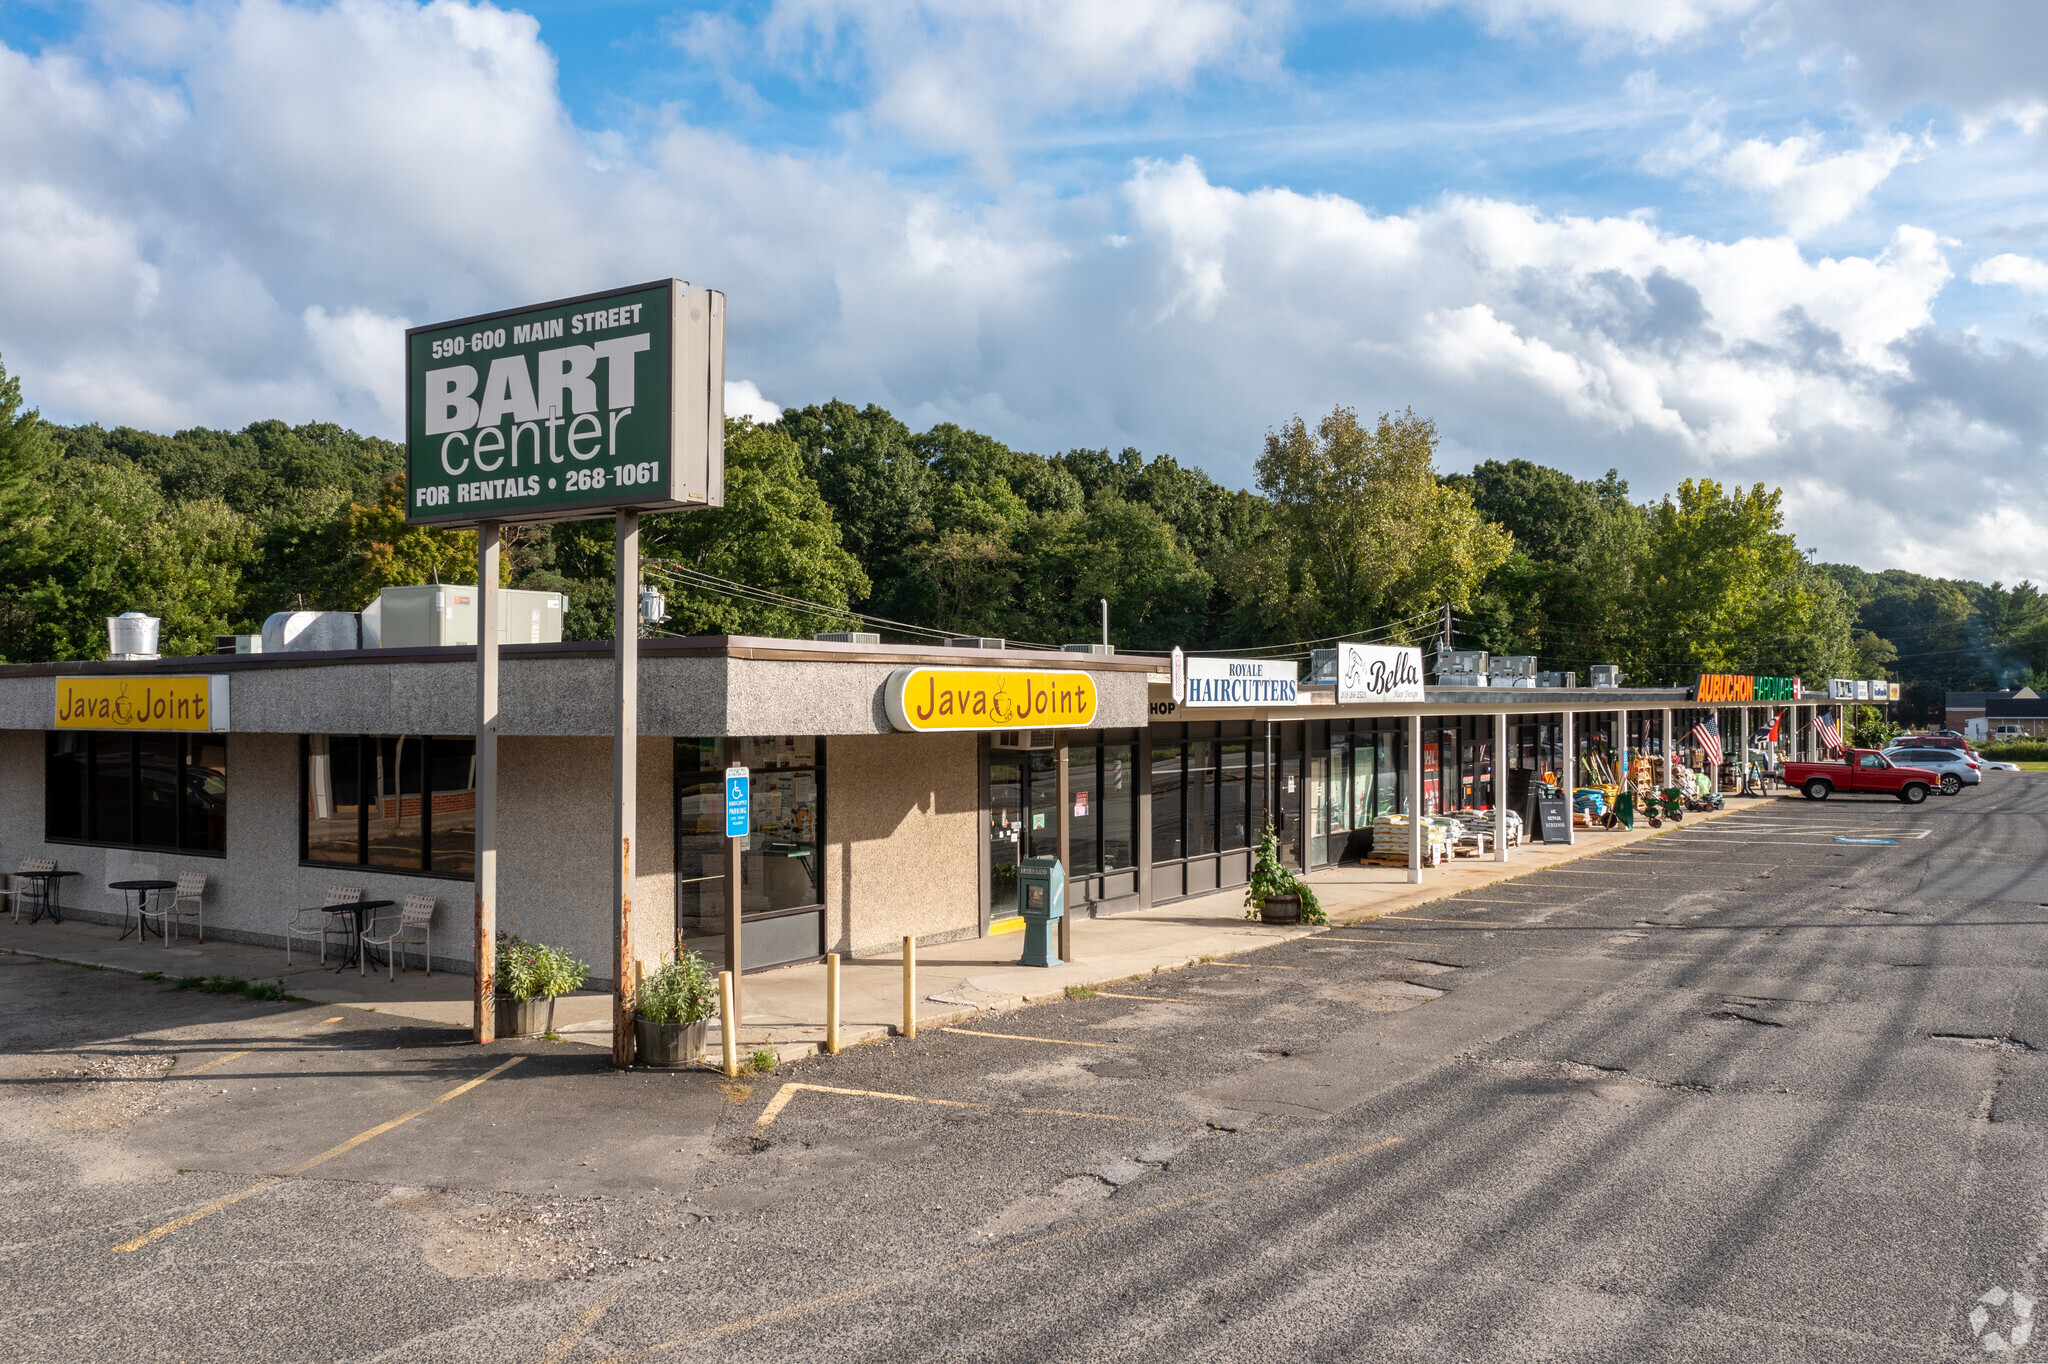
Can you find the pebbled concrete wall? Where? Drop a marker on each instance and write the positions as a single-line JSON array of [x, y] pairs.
[[903, 816]]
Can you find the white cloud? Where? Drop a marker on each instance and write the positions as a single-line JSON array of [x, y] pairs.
[[1809, 189], [964, 75], [2021, 272], [1641, 23], [236, 230], [743, 399]]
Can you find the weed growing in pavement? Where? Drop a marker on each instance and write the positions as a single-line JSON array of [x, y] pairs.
[[152, 975], [761, 1061], [1080, 992], [1207, 957], [550, 1036], [225, 985]]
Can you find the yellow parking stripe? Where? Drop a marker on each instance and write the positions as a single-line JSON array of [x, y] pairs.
[[1019, 1037]]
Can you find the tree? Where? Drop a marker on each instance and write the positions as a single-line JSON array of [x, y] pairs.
[[1363, 532], [26, 456], [379, 550], [774, 532]]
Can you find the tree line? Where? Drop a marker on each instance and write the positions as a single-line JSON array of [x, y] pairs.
[[838, 514]]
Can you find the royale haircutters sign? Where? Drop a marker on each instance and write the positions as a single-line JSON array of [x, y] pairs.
[[188, 704], [921, 700], [569, 409], [1378, 672], [1242, 682]]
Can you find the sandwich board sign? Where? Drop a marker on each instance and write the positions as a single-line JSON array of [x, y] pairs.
[[568, 410]]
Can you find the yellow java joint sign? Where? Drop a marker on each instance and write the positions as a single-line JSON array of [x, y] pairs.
[[921, 699], [166, 703]]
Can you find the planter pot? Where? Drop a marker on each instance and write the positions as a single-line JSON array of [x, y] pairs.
[[1280, 909], [528, 1019], [669, 1044]]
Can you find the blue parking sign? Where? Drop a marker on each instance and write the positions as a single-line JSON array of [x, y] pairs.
[[737, 804]]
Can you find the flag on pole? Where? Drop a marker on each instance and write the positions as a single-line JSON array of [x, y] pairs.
[[1708, 734], [1772, 737], [1824, 725]]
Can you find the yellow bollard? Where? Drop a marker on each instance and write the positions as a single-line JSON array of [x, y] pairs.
[[831, 1003], [728, 1026], [909, 986]]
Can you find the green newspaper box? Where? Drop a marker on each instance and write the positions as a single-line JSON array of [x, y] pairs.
[[1041, 899]]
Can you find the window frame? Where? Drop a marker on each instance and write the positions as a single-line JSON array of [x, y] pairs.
[[362, 861], [89, 814]]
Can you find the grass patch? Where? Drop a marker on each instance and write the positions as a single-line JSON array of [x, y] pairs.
[[760, 1061], [152, 975], [551, 1036], [2028, 766], [1080, 992], [234, 985]]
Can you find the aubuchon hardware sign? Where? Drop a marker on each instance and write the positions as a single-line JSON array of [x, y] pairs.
[[1243, 682], [568, 409]]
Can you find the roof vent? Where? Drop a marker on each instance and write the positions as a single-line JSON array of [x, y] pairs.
[[1087, 648], [847, 637], [974, 642], [131, 636]]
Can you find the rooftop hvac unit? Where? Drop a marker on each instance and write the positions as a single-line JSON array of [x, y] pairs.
[[132, 636], [1606, 676], [1087, 648], [434, 615], [238, 644], [1322, 667], [846, 637], [1517, 666], [1022, 738], [974, 642], [302, 632], [1557, 679], [1461, 679], [1466, 661]]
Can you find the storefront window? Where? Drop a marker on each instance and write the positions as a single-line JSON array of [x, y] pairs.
[[1233, 802], [700, 837], [781, 864], [1024, 816], [1005, 829], [136, 790], [1084, 834], [1119, 785], [404, 803], [1167, 841], [1042, 820]]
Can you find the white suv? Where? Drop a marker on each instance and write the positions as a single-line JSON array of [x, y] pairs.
[[1955, 768]]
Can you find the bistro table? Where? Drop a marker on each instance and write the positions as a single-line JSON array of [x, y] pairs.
[[43, 901], [141, 890], [355, 944]]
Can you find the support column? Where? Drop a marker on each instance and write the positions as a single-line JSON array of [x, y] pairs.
[[1500, 787], [1670, 749], [1066, 849], [1415, 801], [484, 1020], [1568, 778], [625, 776]]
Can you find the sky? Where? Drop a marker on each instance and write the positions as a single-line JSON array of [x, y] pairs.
[[1803, 244]]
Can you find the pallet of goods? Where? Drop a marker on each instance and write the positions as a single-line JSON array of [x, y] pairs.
[[1390, 841]]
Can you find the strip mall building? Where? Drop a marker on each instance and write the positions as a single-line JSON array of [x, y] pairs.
[[887, 799]]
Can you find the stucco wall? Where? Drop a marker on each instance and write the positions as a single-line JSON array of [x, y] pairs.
[[903, 813], [554, 877]]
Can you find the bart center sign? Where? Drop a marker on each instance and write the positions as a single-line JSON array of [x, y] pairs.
[[570, 409]]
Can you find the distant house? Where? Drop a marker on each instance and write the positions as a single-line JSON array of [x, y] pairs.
[[1965, 706], [2025, 710]]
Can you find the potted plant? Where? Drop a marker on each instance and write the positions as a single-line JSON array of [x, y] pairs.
[[672, 1011], [1276, 895], [529, 976]]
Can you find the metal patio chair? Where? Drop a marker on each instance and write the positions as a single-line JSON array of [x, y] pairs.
[[18, 891], [184, 903], [336, 917], [413, 924]]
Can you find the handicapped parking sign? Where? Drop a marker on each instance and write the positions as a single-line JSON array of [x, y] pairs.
[[737, 805]]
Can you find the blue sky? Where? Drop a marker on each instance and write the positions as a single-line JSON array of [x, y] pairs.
[[1805, 244]]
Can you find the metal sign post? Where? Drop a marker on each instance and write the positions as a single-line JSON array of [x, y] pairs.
[[739, 814], [625, 775], [484, 1018]]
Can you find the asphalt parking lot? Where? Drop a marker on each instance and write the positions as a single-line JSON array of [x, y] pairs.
[[1746, 1091]]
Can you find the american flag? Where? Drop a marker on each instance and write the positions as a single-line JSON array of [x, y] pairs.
[[1824, 725], [1708, 733]]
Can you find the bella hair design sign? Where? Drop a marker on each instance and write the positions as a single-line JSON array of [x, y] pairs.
[[568, 409], [922, 700], [1242, 682], [1378, 672], [184, 704]]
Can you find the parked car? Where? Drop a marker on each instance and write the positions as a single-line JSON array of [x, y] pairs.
[[1992, 766], [1863, 770], [1941, 740], [1956, 770], [2007, 732]]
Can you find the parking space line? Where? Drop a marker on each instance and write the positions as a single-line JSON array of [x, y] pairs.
[[1002, 1252], [566, 1343], [1020, 1037], [1148, 999], [179, 1224], [793, 1088], [1249, 965], [216, 1061]]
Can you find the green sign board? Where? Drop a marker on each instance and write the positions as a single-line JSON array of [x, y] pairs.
[[569, 409]]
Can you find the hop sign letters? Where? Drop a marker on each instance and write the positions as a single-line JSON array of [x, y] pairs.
[[568, 409]]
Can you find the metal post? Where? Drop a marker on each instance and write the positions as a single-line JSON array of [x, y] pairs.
[[1500, 787], [1066, 851], [484, 1022], [728, 1025], [831, 1003], [1415, 801], [1664, 732], [909, 986], [734, 875], [1105, 618], [625, 774], [1568, 777]]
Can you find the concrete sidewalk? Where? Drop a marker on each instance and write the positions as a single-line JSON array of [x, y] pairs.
[[785, 1008]]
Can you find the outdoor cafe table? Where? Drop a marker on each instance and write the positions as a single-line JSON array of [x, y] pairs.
[[141, 890], [44, 902], [355, 944]]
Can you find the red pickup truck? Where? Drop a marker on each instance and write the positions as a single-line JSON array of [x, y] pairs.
[[1866, 769]]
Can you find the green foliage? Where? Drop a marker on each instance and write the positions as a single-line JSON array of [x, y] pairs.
[[760, 1061], [27, 455], [531, 970], [2016, 751], [231, 985], [682, 991], [1271, 877], [1869, 729]]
